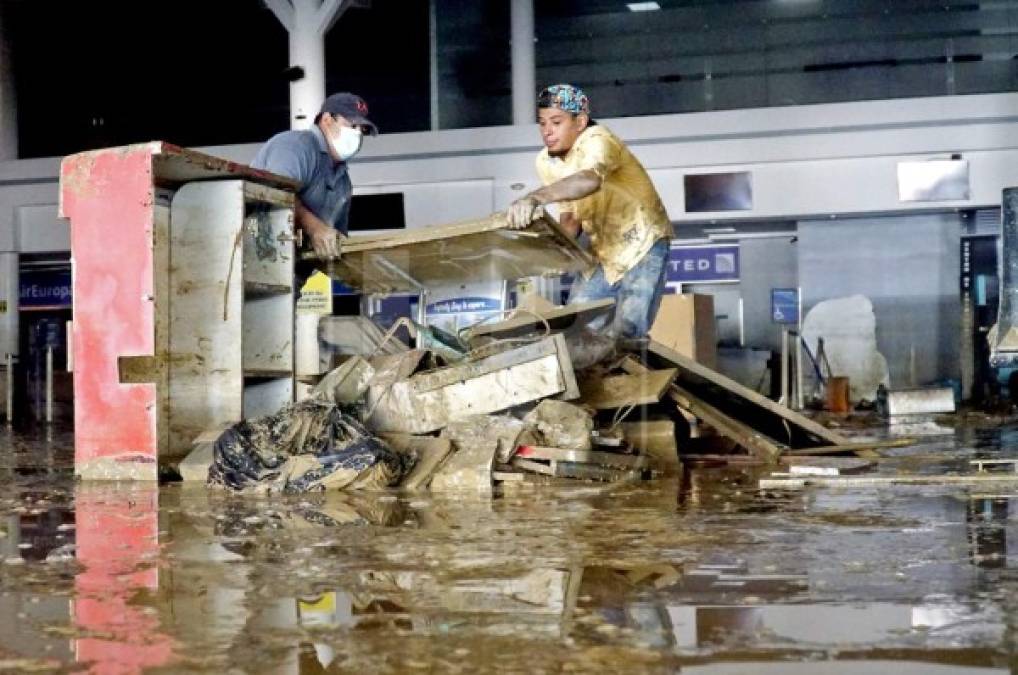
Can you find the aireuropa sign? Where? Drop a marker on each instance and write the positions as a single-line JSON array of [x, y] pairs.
[[706, 264], [45, 289]]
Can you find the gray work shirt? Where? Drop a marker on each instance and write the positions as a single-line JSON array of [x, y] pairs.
[[303, 155]]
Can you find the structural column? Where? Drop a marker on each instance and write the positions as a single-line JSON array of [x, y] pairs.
[[436, 121], [8, 103], [307, 22], [524, 63]]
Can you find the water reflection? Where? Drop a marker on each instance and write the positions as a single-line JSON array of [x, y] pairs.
[[118, 547], [707, 575]]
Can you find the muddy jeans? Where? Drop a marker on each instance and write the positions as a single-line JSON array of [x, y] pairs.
[[637, 295]]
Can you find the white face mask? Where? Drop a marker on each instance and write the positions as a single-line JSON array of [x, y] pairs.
[[347, 143]]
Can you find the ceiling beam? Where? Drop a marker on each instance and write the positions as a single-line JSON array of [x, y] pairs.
[[283, 11]]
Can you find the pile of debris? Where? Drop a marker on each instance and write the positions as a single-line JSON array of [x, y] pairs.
[[520, 402]]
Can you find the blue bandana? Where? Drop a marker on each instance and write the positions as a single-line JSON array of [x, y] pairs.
[[564, 97]]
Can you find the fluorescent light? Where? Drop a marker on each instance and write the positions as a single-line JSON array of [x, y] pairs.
[[642, 6]]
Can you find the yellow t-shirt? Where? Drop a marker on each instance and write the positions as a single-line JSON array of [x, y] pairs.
[[625, 217]]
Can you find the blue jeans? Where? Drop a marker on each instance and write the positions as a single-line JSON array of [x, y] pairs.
[[637, 295]]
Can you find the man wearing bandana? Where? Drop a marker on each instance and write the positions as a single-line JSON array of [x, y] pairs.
[[603, 190]]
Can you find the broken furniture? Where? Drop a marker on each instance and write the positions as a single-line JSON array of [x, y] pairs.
[[429, 401], [183, 313], [424, 258], [765, 428]]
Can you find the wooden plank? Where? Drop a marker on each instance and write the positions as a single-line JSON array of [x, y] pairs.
[[688, 365], [852, 447], [571, 388], [1003, 479], [618, 391], [391, 368], [346, 383], [471, 251], [593, 472], [826, 466], [581, 456], [757, 443], [527, 320]]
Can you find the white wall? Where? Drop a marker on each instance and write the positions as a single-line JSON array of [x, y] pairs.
[[837, 159]]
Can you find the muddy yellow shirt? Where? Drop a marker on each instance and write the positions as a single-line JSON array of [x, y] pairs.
[[625, 217]]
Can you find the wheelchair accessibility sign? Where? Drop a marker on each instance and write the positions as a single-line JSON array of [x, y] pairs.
[[785, 305]]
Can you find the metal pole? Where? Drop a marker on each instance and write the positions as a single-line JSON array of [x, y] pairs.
[[49, 384], [524, 75], [10, 389], [70, 346], [742, 325], [422, 308], [784, 366], [798, 372]]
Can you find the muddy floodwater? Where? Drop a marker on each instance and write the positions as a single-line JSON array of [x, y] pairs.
[[704, 574]]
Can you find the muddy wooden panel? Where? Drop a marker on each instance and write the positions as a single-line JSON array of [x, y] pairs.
[[467, 469], [746, 436], [739, 402], [347, 383], [618, 391], [430, 453], [465, 252], [429, 401], [443, 377], [173, 165], [582, 456], [523, 321], [401, 408], [862, 448], [391, 368]]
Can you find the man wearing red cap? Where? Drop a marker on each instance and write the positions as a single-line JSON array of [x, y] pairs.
[[603, 190], [317, 159]]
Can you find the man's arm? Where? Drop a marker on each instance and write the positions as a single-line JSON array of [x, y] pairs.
[[570, 223], [324, 238], [577, 186]]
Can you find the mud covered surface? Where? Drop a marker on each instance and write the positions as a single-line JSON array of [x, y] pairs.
[[703, 574]]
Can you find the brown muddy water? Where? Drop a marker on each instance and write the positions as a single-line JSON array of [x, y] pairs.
[[703, 575]]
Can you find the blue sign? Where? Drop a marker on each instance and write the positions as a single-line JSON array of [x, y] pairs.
[[39, 289], [703, 264], [465, 305], [785, 305]]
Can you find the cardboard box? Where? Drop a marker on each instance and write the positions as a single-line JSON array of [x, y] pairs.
[[685, 323]]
